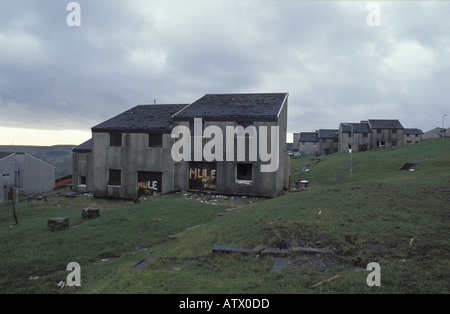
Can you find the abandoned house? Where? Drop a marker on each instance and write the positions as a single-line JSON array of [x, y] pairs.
[[412, 136], [362, 137], [328, 141], [308, 143], [130, 155], [26, 174]]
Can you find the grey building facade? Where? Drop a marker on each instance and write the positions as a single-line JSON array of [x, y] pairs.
[[244, 177], [130, 155], [27, 174]]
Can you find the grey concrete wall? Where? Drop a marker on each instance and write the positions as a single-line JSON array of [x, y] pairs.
[[327, 143], [387, 136], [358, 140], [36, 176], [309, 148], [412, 139], [7, 167], [82, 166], [133, 156]]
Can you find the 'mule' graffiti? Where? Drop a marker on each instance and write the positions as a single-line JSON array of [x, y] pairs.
[[148, 183], [202, 175]]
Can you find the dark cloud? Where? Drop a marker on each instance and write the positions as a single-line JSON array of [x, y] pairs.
[[334, 66]]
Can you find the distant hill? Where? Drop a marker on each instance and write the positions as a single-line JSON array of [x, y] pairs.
[[59, 156]]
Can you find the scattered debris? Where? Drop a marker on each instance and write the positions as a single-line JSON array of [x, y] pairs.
[[61, 285], [322, 282], [106, 260]]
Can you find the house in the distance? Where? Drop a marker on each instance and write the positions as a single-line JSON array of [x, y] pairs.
[[412, 136], [436, 133], [386, 133], [26, 174], [308, 143], [362, 137], [328, 141]]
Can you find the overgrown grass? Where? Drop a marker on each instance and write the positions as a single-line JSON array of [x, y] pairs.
[[397, 218]]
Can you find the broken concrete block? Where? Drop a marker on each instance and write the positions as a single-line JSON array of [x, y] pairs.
[[57, 224], [89, 213], [274, 252], [230, 249]]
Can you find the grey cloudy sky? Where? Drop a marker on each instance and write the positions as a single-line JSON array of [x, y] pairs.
[[335, 67]]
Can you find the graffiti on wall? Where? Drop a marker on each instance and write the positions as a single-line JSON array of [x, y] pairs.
[[202, 175], [148, 183]]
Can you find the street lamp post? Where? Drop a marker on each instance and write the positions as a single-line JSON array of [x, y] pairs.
[[351, 150], [443, 128]]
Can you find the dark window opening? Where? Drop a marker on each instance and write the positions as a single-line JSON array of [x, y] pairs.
[[394, 143], [114, 177], [365, 134], [379, 131], [115, 139], [82, 180], [155, 140], [394, 131], [244, 172]]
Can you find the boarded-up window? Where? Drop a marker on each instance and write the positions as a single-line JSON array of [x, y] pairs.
[[115, 139], [202, 175], [155, 140], [115, 177], [244, 172], [149, 182]]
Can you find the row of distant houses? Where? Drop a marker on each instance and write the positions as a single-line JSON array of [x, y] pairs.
[[363, 136]]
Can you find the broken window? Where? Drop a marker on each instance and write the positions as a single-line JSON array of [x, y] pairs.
[[155, 140], [244, 172], [82, 180], [115, 177], [115, 139]]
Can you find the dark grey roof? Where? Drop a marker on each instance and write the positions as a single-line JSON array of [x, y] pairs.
[[413, 131], [141, 118], [5, 154], [328, 133], [308, 137], [362, 127], [237, 107], [84, 147], [385, 124]]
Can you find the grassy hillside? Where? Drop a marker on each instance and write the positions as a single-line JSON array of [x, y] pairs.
[[397, 218], [59, 156]]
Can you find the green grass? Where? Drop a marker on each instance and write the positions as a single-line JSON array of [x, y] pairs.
[[369, 218]]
